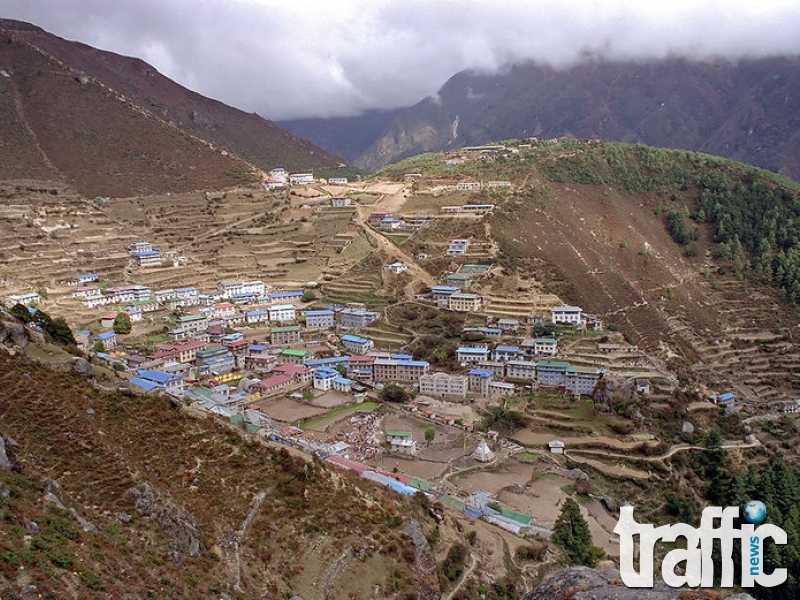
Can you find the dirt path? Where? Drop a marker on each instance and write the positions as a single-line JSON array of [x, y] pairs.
[[390, 249], [623, 471], [472, 564]]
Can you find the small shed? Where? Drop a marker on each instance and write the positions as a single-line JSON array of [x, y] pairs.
[[556, 447]]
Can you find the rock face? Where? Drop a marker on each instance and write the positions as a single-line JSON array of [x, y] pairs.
[[173, 520], [83, 367], [14, 333], [424, 562], [6, 457], [583, 583]]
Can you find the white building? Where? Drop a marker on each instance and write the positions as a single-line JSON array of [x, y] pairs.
[[397, 267], [566, 315], [401, 442], [301, 178], [24, 299], [281, 312], [443, 384], [340, 201]]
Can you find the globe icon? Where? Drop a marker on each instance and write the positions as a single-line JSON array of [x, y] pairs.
[[755, 512]]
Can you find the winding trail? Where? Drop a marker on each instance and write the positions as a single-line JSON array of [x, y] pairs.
[[472, 564], [624, 471]]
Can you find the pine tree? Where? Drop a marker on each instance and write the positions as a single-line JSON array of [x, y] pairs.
[[122, 323], [571, 533]]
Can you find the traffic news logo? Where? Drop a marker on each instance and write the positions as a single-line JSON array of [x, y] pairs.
[[699, 570]]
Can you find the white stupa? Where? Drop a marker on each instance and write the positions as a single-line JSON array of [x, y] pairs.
[[482, 452]]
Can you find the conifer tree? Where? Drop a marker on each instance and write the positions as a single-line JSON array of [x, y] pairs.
[[571, 533]]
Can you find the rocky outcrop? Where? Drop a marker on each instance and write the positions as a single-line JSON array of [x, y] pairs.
[[583, 583], [424, 562], [14, 334], [173, 520], [83, 368], [7, 461]]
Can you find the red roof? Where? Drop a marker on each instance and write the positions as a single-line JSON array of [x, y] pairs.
[[223, 305], [359, 359], [194, 345], [274, 381], [346, 463], [290, 369]]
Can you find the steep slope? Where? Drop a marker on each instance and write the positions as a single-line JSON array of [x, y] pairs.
[[738, 110], [89, 510], [68, 97]]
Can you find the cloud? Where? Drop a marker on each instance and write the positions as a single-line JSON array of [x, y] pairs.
[[301, 59]]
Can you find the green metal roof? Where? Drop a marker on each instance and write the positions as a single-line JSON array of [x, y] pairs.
[[286, 329], [292, 352], [398, 433]]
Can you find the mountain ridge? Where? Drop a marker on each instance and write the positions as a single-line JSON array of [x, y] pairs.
[[47, 78], [737, 110]]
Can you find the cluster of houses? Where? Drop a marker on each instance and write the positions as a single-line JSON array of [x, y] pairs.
[[278, 178]]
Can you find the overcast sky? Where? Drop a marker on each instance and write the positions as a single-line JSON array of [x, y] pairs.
[[295, 58]]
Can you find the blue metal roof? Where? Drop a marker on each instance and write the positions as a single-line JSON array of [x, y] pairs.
[[292, 294], [144, 384], [473, 351], [106, 335], [506, 349], [355, 339], [147, 253], [481, 372], [334, 360], [319, 313], [157, 376], [413, 363], [257, 347], [343, 381]]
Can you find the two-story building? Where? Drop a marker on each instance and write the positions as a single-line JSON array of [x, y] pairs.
[[253, 317], [566, 315], [323, 378], [187, 352], [357, 317], [284, 336], [319, 319], [291, 355], [545, 346], [463, 302], [357, 344], [471, 356], [401, 442], [504, 353], [281, 312]]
